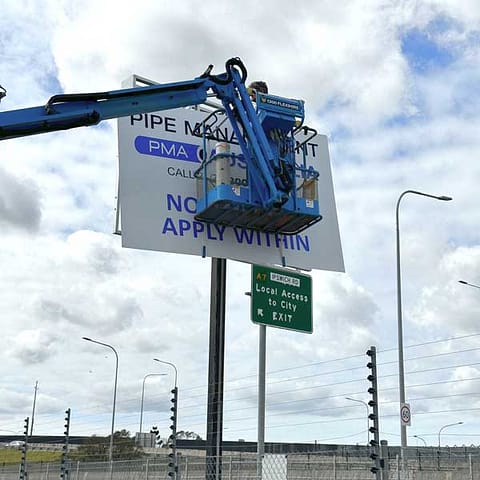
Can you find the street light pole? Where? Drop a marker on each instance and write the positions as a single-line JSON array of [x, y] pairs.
[[401, 370], [143, 395], [110, 451], [33, 408], [445, 426], [368, 422]]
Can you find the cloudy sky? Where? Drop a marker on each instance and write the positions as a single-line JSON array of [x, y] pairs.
[[394, 86]]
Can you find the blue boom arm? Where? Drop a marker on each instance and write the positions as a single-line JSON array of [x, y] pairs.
[[269, 202], [63, 112]]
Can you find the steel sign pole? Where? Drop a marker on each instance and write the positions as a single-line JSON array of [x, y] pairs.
[[215, 370], [262, 356], [262, 344]]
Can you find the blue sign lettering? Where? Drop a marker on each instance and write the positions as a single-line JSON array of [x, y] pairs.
[[182, 226], [159, 147], [187, 227]]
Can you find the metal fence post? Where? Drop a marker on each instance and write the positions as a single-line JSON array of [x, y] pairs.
[[179, 466], [470, 465], [334, 467], [384, 458]]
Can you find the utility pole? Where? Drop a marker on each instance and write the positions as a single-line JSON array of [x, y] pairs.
[[33, 408]]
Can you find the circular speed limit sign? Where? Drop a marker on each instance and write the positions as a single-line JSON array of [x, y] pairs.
[[405, 414]]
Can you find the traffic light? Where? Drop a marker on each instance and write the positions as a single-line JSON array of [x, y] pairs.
[[373, 403]]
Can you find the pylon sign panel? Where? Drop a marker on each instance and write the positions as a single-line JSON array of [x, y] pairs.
[[281, 298], [158, 156]]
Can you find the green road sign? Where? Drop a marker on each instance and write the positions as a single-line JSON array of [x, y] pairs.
[[281, 298]]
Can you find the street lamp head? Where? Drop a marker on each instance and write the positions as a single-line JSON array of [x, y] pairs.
[[463, 282], [87, 339], [168, 363], [155, 375], [444, 198]]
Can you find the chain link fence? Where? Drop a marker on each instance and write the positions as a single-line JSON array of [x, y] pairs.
[[242, 466]]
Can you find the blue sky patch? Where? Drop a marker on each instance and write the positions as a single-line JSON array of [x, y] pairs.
[[421, 50], [50, 83]]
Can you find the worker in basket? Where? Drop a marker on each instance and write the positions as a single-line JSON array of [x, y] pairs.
[[257, 86]]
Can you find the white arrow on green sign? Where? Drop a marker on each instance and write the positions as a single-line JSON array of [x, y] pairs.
[[281, 298]]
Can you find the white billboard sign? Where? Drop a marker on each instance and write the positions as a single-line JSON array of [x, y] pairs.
[[159, 154]]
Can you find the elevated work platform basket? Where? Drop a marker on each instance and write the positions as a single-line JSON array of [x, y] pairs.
[[230, 200]]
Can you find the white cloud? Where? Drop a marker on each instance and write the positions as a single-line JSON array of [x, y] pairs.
[[33, 346], [446, 303], [20, 205]]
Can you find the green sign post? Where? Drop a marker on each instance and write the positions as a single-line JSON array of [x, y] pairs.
[[281, 298]]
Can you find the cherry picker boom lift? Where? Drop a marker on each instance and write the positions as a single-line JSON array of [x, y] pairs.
[[279, 195]]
